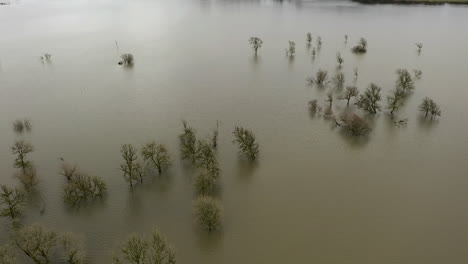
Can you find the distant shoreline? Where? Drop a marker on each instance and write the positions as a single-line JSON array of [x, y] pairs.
[[413, 2]]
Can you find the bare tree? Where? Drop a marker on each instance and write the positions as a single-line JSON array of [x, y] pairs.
[[72, 248], [361, 46], [131, 168], [206, 158], [11, 202], [205, 183], [256, 43], [140, 250], [313, 106], [208, 212], [417, 73], [18, 126], [350, 92], [369, 101], [188, 143], [21, 149], [157, 155], [245, 139]]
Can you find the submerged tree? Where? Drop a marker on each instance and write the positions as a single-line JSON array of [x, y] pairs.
[[309, 38], [319, 42], [127, 59], [354, 124], [18, 126], [139, 250], [338, 80], [361, 46], [313, 53], [188, 143], [157, 155], [131, 168], [68, 170], [356, 72], [321, 78], [369, 101], [429, 106], [417, 73], [404, 81], [11, 202], [82, 188], [419, 45], [40, 244], [291, 51], [313, 106], [256, 43], [7, 255], [21, 149], [346, 39], [208, 212], [37, 242], [350, 92], [245, 139], [214, 137], [206, 158], [394, 101], [205, 183], [329, 99], [339, 59]]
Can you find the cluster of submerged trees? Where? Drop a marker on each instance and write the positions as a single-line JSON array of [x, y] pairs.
[[369, 101], [43, 246]]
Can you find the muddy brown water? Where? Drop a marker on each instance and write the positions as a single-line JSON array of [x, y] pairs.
[[315, 195]]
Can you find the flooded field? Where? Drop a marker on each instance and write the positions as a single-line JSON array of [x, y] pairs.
[[315, 194]]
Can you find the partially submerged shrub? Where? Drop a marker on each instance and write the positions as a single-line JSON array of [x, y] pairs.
[[338, 80], [28, 177], [419, 46], [369, 101], [313, 106], [140, 250], [83, 188], [157, 155], [18, 126], [214, 138], [309, 38], [321, 78], [319, 42], [350, 92], [245, 139], [354, 124], [127, 59], [11, 202], [428, 106], [329, 99], [68, 170], [356, 72], [361, 46], [256, 43], [291, 51], [417, 73], [339, 59], [21, 149], [188, 143], [208, 212], [206, 158]]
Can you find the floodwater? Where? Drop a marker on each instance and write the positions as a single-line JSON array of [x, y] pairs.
[[314, 196]]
